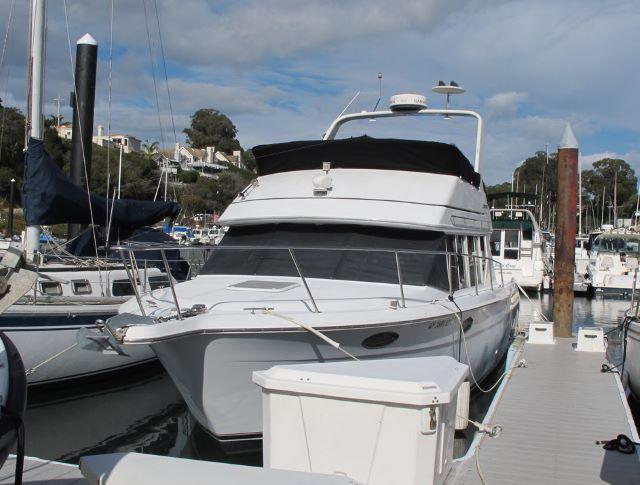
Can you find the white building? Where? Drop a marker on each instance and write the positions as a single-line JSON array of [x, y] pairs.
[[64, 131], [129, 143]]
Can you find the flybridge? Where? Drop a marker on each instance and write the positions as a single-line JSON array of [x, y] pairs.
[[415, 105]]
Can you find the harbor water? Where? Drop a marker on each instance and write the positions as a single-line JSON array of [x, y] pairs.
[[144, 412]]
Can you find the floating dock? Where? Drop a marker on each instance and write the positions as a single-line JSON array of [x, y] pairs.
[[552, 412], [37, 471]]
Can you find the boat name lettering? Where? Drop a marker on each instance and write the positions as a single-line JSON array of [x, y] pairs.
[[439, 323]]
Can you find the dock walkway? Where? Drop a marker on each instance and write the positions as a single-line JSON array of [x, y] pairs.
[[37, 471], [552, 412]]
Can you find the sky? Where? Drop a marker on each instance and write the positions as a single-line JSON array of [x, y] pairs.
[[284, 69]]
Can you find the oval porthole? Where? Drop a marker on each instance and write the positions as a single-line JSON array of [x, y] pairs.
[[379, 340]]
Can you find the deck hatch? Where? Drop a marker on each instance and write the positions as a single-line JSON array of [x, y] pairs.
[[263, 285]]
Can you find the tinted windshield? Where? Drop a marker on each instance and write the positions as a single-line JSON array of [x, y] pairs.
[[617, 244], [334, 263]]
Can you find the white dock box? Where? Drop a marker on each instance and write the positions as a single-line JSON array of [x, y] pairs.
[[375, 421]]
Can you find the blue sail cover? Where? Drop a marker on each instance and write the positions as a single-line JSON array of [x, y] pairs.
[[49, 197]]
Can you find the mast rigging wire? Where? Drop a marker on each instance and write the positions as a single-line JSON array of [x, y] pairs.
[[153, 70], [11, 24], [164, 65], [109, 213]]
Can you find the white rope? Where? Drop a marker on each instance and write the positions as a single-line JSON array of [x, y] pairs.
[[312, 330], [532, 305], [84, 161], [466, 351], [33, 369]]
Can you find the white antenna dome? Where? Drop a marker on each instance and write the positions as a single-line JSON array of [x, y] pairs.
[[407, 102]]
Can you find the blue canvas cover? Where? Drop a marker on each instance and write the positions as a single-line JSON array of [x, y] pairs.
[[49, 197]]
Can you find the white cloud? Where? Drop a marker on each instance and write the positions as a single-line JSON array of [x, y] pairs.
[[282, 69], [505, 104]]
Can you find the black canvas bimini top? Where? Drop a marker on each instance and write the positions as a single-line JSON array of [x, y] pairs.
[[366, 153]]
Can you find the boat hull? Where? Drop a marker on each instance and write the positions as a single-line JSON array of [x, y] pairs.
[[632, 362], [213, 371], [39, 332]]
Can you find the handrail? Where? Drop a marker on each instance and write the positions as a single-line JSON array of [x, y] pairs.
[[338, 122], [304, 281], [488, 267]]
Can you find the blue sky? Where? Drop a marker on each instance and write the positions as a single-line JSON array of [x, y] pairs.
[[283, 69]]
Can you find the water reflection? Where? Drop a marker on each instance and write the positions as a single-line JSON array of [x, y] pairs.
[[144, 412]]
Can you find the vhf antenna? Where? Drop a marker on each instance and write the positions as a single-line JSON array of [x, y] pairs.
[[452, 88], [379, 91]]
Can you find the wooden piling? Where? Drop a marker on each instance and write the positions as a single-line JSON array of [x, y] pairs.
[[567, 200]]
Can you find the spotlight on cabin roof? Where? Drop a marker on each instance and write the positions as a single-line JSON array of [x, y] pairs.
[[407, 102]]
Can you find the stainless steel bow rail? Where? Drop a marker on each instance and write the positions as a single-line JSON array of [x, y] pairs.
[[460, 270]]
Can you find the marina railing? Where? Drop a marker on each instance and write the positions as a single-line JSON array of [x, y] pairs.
[[461, 273]]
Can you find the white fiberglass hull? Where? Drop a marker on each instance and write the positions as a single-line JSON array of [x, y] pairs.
[[41, 331], [632, 362], [213, 370], [529, 279]]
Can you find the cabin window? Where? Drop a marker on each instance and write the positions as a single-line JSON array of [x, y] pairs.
[[511, 243], [496, 242], [51, 288], [482, 251], [158, 282], [81, 287], [122, 288], [345, 252], [472, 251]]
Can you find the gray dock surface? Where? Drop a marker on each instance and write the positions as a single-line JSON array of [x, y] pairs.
[[38, 471], [552, 413]]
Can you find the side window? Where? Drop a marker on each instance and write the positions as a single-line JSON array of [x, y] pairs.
[[453, 262], [461, 251], [122, 288], [51, 288], [473, 267], [81, 287], [496, 242]]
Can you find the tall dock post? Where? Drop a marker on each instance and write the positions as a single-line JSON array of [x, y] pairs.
[[567, 200], [83, 105]]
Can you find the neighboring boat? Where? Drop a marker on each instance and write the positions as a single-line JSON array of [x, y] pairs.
[[13, 402], [614, 262], [631, 366], [518, 244], [581, 258], [353, 248], [71, 292]]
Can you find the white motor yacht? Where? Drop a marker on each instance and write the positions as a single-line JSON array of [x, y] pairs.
[[518, 244], [614, 262], [356, 248]]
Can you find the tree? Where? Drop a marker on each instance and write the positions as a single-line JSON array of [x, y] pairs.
[[599, 182], [249, 160], [150, 148], [209, 128], [188, 176]]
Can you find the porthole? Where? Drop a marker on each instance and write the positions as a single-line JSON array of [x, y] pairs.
[[51, 288], [81, 287], [380, 340]]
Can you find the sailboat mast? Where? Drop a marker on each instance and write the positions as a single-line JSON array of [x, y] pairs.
[[32, 236], [579, 197], [615, 200]]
